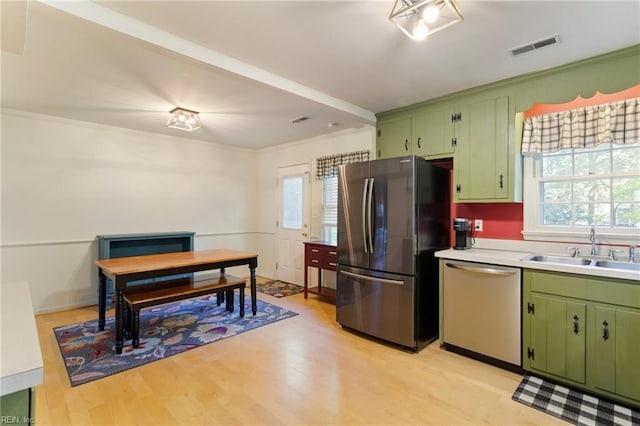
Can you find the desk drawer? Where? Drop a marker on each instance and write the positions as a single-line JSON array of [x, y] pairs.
[[321, 256]]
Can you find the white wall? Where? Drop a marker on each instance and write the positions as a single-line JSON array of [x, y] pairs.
[[64, 182], [301, 152]]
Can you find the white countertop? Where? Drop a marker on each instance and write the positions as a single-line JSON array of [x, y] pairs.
[[21, 365], [514, 258]]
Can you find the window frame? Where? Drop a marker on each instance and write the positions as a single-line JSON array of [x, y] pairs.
[[329, 230], [533, 230]]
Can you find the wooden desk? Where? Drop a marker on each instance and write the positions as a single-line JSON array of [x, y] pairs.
[[320, 255], [123, 270]]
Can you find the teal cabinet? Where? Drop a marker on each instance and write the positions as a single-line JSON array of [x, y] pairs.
[[583, 331]]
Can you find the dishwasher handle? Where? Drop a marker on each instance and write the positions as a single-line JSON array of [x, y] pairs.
[[479, 270]]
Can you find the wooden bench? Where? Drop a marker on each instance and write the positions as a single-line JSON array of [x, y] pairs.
[[143, 296]]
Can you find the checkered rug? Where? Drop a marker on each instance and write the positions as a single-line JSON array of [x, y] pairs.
[[571, 405]]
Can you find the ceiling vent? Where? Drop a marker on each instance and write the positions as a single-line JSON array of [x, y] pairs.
[[538, 44], [298, 120]]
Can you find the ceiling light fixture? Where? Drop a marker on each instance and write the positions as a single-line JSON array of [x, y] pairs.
[[184, 119], [418, 19]]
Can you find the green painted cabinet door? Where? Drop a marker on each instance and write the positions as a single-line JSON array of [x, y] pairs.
[[556, 339], [481, 161], [616, 337], [394, 138], [18, 407], [433, 133]]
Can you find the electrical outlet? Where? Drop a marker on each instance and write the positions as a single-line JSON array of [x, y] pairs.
[[478, 225]]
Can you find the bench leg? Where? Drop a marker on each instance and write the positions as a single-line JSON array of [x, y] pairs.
[[127, 321], [136, 328], [241, 302], [229, 300], [219, 298]]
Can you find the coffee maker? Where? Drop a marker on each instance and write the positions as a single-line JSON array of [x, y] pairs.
[[462, 226]]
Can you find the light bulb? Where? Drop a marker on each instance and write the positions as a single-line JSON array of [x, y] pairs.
[[420, 31], [431, 13]]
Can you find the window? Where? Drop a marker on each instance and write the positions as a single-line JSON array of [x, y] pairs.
[[330, 209], [569, 190]]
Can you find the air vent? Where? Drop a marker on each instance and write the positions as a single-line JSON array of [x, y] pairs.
[[298, 120], [538, 44]]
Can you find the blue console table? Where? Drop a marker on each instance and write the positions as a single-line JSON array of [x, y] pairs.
[[125, 245]]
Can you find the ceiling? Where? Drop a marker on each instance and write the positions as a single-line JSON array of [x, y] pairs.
[[252, 67]]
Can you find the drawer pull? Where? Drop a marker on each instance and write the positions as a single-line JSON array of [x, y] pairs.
[[332, 253], [315, 250], [333, 264], [314, 261]]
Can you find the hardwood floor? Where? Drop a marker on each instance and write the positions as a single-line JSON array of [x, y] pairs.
[[302, 370]]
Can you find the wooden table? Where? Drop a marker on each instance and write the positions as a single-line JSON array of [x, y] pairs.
[[124, 270]]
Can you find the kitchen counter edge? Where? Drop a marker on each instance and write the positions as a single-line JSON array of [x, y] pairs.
[[514, 258]]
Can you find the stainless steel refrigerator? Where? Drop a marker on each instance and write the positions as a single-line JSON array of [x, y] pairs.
[[393, 214]]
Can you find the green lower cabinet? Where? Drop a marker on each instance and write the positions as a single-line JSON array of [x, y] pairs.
[[583, 331], [18, 407], [558, 337], [616, 337]]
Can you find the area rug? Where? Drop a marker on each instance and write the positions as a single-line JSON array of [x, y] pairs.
[[571, 405], [279, 288], [166, 330]]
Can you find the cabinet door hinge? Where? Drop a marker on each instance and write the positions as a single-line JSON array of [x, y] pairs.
[[456, 117], [531, 308], [458, 188], [276, 265], [454, 142], [531, 354]]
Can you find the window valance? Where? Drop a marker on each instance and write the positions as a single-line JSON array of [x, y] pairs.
[[328, 166], [615, 122]]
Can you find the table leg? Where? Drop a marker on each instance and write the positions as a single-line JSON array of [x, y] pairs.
[[119, 323], [102, 296], [306, 277], [254, 291]]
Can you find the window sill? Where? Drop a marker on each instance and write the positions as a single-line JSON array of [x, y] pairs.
[[625, 238]]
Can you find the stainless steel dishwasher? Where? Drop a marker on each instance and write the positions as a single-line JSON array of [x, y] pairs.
[[482, 312]]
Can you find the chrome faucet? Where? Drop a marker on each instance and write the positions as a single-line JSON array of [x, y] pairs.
[[592, 238], [632, 253], [575, 251], [612, 253]]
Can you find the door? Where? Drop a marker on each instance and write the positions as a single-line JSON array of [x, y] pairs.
[[293, 222], [353, 215], [557, 337], [394, 138], [392, 185], [378, 304]]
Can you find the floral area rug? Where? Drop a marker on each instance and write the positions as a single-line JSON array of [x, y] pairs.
[[279, 288], [166, 330]]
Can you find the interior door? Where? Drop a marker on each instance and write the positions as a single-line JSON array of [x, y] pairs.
[[293, 222]]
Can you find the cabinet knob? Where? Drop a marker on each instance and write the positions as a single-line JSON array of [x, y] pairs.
[[406, 144], [418, 142], [576, 328]]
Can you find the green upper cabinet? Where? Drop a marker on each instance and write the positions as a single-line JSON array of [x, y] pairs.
[[394, 138], [482, 162], [433, 133]]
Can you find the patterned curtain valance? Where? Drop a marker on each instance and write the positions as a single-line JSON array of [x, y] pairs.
[[616, 122], [327, 167]]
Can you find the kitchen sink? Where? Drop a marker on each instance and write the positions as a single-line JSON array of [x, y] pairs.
[[558, 259], [627, 266]]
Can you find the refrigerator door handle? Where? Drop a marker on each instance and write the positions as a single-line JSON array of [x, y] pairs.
[[364, 209], [368, 278], [369, 216]]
